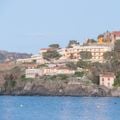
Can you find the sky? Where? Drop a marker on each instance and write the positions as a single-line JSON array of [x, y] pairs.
[[28, 25]]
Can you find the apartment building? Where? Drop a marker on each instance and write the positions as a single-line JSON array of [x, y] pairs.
[[96, 50]]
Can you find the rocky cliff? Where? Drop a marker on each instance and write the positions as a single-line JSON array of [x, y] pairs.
[[13, 82], [55, 88]]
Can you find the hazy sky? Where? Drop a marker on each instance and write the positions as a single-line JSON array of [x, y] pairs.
[[28, 25]]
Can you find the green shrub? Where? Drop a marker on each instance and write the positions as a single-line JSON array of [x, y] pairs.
[[13, 83], [117, 81], [71, 65], [22, 76], [62, 76], [79, 74], [57, 77], [26, 79], [42, 65]]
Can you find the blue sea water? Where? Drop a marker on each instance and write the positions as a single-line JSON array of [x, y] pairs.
[[59, 108]]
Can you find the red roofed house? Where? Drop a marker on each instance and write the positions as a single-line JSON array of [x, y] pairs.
[[107, 79], [116, 35]]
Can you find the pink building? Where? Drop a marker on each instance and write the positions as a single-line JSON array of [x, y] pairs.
[[116, 35], [107, 79]]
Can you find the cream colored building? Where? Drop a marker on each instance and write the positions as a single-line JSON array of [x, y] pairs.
[[69, 54], [27, 60], [38, 59], [97, 52], [33, 73], [107, 79]]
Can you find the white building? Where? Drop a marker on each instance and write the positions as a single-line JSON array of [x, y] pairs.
[[38, 59], [33, 73], [107, 79]]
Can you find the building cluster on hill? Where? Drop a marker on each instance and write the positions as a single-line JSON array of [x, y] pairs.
[[38, 65]]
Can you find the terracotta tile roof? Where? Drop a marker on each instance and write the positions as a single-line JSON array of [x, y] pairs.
[[44, 49], [107, 74], [48, 49], [116, 33]]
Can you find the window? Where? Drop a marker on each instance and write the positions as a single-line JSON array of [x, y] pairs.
[[109, 79], [102, 79]]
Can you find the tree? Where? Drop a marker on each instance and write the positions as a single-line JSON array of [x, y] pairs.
[[10, 81], [79, 74], [55, 46], [83, 64], [91, 41], [108, 55], [72, 42], [100, 36], [85, 55], [51, 55], [115, 63], [117, 81], [71, 65], [117, 46]]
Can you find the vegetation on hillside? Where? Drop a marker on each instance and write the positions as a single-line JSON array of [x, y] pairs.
[[72, 42], [117, 81], [53, 54], [54, 46], [83, 64], [85, 55], [71, 65]]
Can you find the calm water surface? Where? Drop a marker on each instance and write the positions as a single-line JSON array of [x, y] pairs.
[[59, 108]]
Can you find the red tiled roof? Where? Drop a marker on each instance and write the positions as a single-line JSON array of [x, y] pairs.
[[116, 33], [44, 48], [50, 48]]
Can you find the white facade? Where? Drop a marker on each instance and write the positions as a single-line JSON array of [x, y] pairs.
[[28, 60], [107, 80], [38, 59], [33, 73]]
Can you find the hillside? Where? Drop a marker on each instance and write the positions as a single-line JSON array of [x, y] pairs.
[[5, 55]]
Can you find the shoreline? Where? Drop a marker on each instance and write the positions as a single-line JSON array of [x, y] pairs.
[[59, 96]]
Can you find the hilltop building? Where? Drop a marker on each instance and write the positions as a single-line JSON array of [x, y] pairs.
[[104, 43], [97, 52], [109, 37], [71, 54]]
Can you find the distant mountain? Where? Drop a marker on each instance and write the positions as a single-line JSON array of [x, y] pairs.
[[5, 55]]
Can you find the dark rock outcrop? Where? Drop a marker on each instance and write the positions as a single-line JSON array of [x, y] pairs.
[[54, 88]]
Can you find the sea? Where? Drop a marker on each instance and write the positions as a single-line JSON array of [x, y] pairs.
[[59, 108]]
